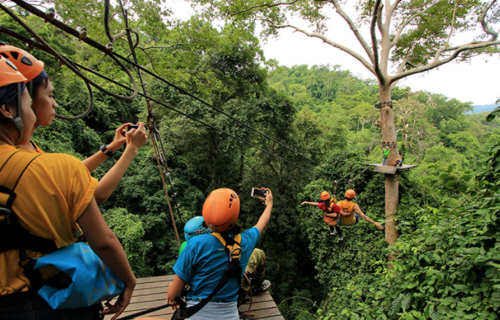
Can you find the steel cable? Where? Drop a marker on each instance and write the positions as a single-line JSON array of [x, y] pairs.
[[102, 48], [66, 63]]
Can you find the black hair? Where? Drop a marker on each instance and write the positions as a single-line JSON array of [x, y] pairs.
[[33, 88]]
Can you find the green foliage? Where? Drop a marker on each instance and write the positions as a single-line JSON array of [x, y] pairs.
[[129, 230], [447, 258]]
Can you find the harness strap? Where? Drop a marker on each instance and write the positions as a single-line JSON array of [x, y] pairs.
[[12, 234], [233, 270]]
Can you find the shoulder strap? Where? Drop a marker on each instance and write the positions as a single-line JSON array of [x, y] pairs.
[[233, 270], [12, 234]]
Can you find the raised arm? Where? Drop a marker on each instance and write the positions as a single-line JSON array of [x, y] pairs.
[[311, 203], [105, 244], [365, 217], [266, 215], [94, 161], [135, 138]]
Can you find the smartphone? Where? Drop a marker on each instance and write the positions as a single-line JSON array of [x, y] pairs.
[[133, 126], [258, 193]]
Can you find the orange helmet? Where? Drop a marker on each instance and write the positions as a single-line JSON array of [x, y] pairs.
[[325, 195], [28, 65], [350, 194], [221, 209], [9, 73], [9, 76]]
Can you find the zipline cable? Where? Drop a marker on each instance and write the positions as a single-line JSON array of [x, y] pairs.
[[103, 49], [66, 63], [153, 131], [23, 38]]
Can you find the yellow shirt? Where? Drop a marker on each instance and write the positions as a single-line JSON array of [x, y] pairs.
[[52, 194], [347, 206]]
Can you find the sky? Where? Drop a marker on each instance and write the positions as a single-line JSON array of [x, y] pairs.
[[466, 81]]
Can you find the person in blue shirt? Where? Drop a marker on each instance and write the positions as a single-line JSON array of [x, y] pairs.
[[194, 227], [203, 261]]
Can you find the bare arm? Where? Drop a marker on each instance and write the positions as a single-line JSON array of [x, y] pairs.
[[311, 203], [105, 244], [174, 289], [266, 215], [94, 161], [135, 140], [365, 217]]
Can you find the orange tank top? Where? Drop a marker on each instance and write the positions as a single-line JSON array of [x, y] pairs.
[[347, 206]]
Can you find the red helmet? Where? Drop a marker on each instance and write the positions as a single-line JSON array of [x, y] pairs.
[[221, 209], [350, 194], [28, 65], [325, 195]]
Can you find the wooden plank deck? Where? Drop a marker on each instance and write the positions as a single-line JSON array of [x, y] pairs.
[[391, 169], [152, 292]]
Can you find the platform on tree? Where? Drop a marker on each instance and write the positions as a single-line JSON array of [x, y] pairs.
[[391, 169], [152, 292]]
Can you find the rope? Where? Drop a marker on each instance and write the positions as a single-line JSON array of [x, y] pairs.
[[23, 38], [63, 60], [140, 313], [86, 113], [102, 48], [153, 130]]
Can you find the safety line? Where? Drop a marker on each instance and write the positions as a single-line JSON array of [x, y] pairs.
[[103, 49], [41, 47], [193, 118]]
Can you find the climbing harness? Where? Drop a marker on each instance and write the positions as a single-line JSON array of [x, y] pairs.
[[12, 234], [233, 271]]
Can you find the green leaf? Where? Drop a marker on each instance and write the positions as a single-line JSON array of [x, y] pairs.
[[450, 184]]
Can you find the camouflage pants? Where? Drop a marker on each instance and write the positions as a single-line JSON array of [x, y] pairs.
[[255, 272]]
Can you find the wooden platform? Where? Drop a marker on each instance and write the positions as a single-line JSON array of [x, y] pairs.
[[391, 169], [152, 292]]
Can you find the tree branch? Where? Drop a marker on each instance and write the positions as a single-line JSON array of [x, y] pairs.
[[400, 69], [326, 40], [402, 27], [486, 28], [437, 63], [440, 51], [376, 64], [395, 5], [379, 19], [262, 6], [353, 27]]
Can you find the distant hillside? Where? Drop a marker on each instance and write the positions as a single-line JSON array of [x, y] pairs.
[[483, 108]]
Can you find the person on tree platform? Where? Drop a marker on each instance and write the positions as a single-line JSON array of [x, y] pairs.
[[385, 154], [54, 197], [194, 227], [204, 260], [351, 212], [331, 211], [255, 272], [41, 90], [255, 277]]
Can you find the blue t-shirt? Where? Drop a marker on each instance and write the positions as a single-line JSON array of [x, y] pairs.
[[203, 261]]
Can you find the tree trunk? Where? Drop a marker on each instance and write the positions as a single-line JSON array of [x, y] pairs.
[[389, 136]]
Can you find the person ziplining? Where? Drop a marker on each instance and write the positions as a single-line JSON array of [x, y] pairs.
[[331, 211], [350, 211], [343, 213]]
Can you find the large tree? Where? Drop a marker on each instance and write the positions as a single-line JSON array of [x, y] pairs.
[[399, 38]]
